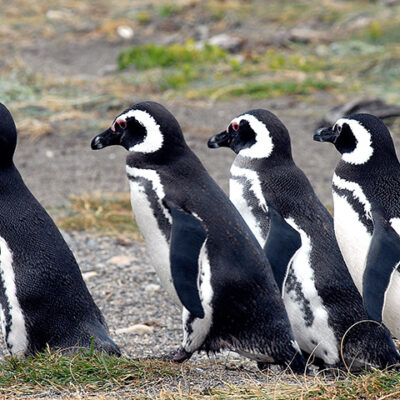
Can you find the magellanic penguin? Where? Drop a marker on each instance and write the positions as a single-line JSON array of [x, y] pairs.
[[43, 298], [323, 304], [204, 253], [366, 196]]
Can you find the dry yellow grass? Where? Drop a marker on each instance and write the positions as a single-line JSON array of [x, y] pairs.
[[101, 214]]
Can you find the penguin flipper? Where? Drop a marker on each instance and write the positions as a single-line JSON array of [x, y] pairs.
[[282, 242], [382, 259], [187, 238]]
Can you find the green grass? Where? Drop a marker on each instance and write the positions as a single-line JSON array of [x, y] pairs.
[[94, 374], [86, 370], [106, 214], [175, 55], [168, 10]]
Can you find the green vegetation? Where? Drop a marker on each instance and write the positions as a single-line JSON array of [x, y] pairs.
[[95, 374], [169, 10], [86, 370], [108, 215], [182, 63], [176, 55], [353, 51]]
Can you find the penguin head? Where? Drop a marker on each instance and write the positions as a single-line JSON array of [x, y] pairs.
[[255, 134], [8, 136], [145, 127], [359, 138]]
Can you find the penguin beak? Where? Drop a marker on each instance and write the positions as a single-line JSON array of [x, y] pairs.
[[107, 138], [220, 140], [326, 135]]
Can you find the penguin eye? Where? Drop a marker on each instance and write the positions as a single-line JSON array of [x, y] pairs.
[[122, 123], [338, 129], [235, 126]]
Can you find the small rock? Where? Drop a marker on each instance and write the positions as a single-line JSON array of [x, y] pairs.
[[201, 32], [58, 14], [120, 261], [125, 32], [226, 42], [152, 287], [88, 275], [152, 323], [138, 329], [305, 35], [49, 154], [90, 243], [123, 241]]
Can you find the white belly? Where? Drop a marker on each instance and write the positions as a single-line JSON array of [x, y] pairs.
[[156, 243], [314, 335], [353, 238], [354, 241], [391, 309], [236, 195], [196, 331], [17, 339]]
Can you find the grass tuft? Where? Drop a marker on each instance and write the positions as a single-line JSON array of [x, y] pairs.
[[86, 370], [106, 214], [175, 55]]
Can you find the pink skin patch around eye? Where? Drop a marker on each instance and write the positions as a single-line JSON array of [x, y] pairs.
[[235, 126], [121, 122]]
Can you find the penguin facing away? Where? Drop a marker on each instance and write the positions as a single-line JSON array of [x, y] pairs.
[[296, 231], [43, 298], [366, 194], [204, 253]]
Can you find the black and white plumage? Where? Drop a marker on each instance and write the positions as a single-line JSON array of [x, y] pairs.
[[366, 194], [43, 298], [320, 297], [204, 253]]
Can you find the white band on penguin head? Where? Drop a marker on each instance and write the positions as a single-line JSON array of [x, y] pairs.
[[263, 146], [153, 140], [363, 151]]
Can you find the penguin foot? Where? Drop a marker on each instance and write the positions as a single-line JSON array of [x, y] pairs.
[[177, 356]]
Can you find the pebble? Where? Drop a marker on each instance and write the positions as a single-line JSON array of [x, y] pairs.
[[120, 261], [88, 275], [152, 287], [125, 32], [138, 329], [226, 42]]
